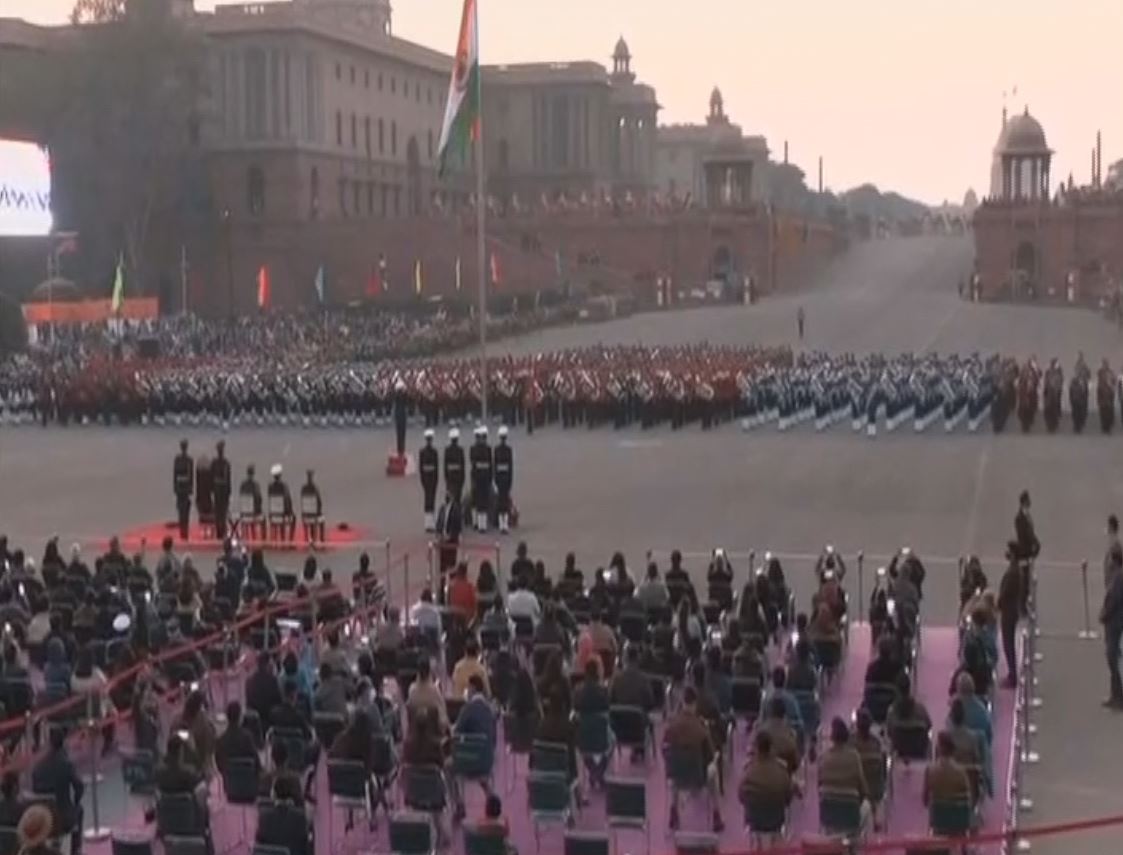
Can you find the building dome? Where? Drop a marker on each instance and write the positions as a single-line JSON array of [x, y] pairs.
[[1023, 135], [621, 51]]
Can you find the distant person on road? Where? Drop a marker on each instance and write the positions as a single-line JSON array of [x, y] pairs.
[[1111, 616], [799, 319]]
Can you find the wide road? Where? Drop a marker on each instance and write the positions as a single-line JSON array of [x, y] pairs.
[[594, 492]]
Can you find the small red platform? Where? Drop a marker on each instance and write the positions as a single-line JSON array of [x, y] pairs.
[[338, 536], [398, 466]]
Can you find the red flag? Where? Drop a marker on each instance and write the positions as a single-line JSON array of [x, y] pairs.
[[495, 280], [263, 287], [374, 283]]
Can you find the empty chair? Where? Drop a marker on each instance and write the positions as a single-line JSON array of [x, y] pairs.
[[585, 843], [950, 818], [625, 803], [630, 726], [550, 798], [483, 841], [411, 834], [766, 819], [241, 783], [265, 849], [840, 812], [347, 788], [122, 842]]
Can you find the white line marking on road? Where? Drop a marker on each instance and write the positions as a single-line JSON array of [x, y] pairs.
[[972, 527]]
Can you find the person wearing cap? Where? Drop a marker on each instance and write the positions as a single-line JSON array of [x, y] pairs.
[[504, 460], [454, 466], [183, 468], [482, 468], [220, 485], [428, 469], [278, 493]]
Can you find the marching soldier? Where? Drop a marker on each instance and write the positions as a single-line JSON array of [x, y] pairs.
[[183, 472], [482, 466], [429, 467], [504, 476], [454, 466], [220, 485]]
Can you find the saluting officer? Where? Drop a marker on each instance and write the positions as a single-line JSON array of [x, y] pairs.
[[429, 468], [482, 468], [183, 478], [454, 466], [504, 476], [221, 485]]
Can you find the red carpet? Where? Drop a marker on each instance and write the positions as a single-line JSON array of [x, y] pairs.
[[337, 536]]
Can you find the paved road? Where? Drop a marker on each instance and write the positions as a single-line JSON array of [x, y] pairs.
[[595, 492]]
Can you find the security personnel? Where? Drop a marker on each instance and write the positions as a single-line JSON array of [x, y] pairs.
[[482, 468], [221, 485], [454, 466], [183, 477], [429, 468], [504, 476]]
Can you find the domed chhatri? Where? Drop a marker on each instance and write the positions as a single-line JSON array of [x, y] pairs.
[[1024, 135]]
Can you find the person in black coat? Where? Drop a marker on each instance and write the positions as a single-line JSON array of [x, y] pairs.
[[1028, 546], [401, 406], [183, 470], [482, 465], [429, 470], [263, 692], [504, 458], [1111, 616], [454, 466], [450, 521]]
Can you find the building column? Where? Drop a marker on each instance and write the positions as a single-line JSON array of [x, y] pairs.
[[1017, 161], [1034, 186], [1006, 178]]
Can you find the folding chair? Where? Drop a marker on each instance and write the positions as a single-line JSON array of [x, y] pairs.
[[625, 801], [878, 698], [840, 812], [411, 834], [122, 842], [423, 789], [472, 760], [911, 743], [518, 734], [348, 788], [550, 800], [631, 727], [585, 843], [593, 742], [686, 773], [766, 820], [250, 520], [279, 520], [950, 818], [484, 841]]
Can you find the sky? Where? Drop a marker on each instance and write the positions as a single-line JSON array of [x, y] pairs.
[[906, 95]]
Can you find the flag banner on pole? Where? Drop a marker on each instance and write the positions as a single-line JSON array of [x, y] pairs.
[[263, 287], [458, 273], [462, 109], [320, 284], [417, 283], [118, 286], [558, 264], [495, 280], [374, 284]]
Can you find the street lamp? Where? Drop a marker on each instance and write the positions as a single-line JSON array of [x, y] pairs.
[[228, 228]]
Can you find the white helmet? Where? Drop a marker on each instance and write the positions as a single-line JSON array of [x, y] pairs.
[[429, 433], [454, 433], [502, 430], [276, 470]]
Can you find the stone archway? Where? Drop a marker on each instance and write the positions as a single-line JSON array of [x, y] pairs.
[[413, 177], [1025, 269], [721, 264]]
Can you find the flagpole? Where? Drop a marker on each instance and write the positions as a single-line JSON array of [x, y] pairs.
[[481, 244]]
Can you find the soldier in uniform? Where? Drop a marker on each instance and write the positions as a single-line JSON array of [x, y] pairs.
[[183, 470], [504, 476], [279, 489], [1105, 396], [429, 469], [314, 523], [401, 402], [221, 485], [482, 467], [252, 490], [454, 466]]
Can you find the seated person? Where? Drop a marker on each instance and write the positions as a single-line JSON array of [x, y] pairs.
[[236, 743], [631, 687], [331, 694], [12, 804], [687, 735], [825, 627], [748, 661], [176, 775], [968, 747], [468, 667], [493, 822], [785, 742], [388, 633], [886, 668], [906, 711], [284, 823], [717, 683], [944, 779], [550, 631], [425, 693], [476, 719], [766, 778], [462, 597], [522, 602], [423, 744], [557, 727], [872, 753], [596, 643], [779, 691], [840, 768], [802, 675]]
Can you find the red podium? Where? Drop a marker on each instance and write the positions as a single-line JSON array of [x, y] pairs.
[[397, 465]]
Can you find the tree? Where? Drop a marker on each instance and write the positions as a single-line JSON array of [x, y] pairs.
[[127, 128]]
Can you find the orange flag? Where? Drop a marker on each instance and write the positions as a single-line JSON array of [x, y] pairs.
[[263, 287]]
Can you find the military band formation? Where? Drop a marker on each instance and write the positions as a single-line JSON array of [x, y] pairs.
[[621, 386]]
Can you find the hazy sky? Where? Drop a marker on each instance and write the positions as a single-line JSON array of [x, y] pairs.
[[907, 95]]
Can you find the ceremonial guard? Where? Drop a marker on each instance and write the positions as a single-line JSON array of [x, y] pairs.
[[183, 471], [401, 403], [429, 468], [1054, 389], [312, 511], [278, 493], [221, 485], [1105, 397], [504, 477], [204, 492], [454, 466], [250, 493], [482, 467], [1078, 393]]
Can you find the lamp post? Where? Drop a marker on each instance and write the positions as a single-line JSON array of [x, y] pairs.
[[228, 229]]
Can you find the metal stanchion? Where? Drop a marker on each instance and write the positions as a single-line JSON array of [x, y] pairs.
[[499, 565], [369, 591], [1086, 634], [95, 832], [1028, 755], [405, 582], [861, 587]]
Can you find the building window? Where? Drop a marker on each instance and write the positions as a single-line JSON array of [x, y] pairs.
[[393, 139], [393, 84], [381, 136], [338, 128], [338, 71], [366, 133], [255, 191], [257, 73], [354, 131], [352, 75], [314, 193], [343, 197], [430, 145]]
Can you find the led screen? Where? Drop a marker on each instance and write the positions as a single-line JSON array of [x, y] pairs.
[[25, 189]]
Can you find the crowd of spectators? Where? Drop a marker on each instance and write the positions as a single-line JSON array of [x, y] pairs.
[[571, 668]]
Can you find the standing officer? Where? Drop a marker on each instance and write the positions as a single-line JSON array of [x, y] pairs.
[[221, 485], [401, 404], [183, 477], [454, 466], [482, 467], [251, 490], [429, 468], [504, 476], [1028, 546]]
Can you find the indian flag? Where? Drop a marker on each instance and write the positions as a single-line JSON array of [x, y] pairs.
[[462, 110], [118, 298]]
